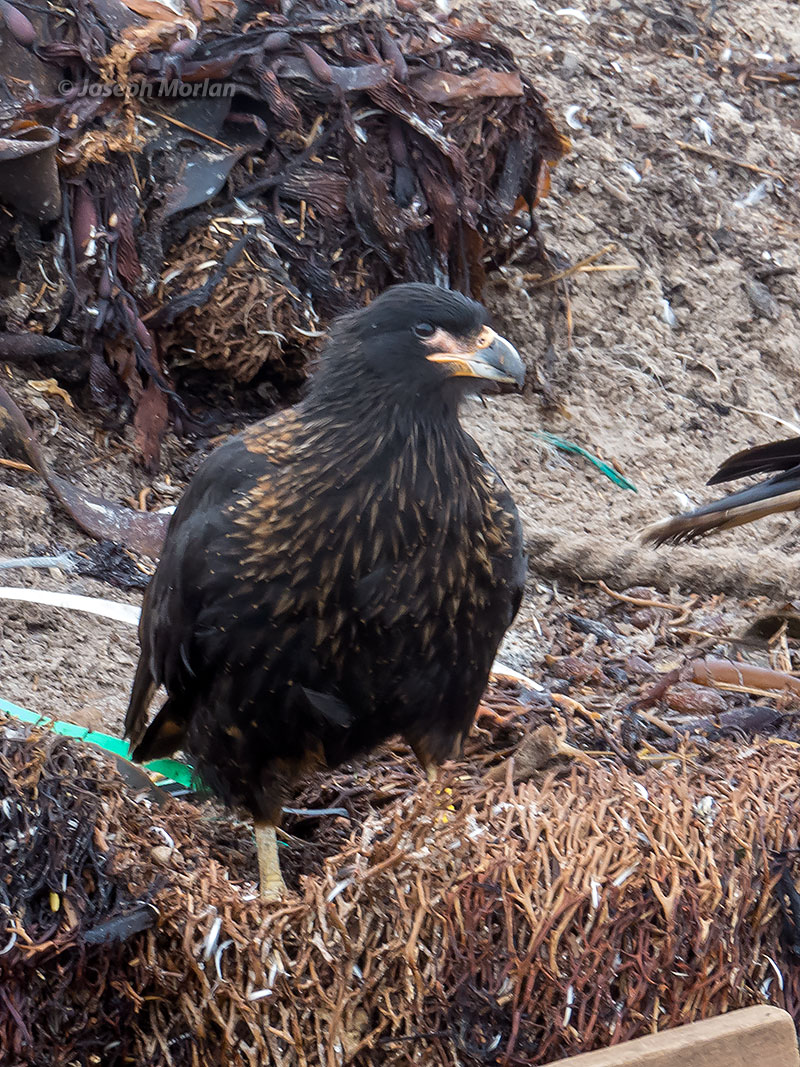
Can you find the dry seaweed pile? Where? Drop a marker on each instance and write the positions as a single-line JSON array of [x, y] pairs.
[[469, 922], [209, 185]]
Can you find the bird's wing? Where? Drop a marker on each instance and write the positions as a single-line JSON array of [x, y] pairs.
[[778, 494], [763, 459], [198, 534], [514, 566]]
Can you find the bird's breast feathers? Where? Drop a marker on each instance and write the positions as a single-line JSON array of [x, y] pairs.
[[320, 561], [315, 539]]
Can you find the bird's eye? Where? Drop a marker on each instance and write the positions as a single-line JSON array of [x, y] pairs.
[[424, 329]]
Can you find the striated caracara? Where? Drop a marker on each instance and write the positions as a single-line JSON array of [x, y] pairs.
[[340, 573]]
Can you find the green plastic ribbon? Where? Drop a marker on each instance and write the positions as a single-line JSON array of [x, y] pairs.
[[167, 768], [602, 466]]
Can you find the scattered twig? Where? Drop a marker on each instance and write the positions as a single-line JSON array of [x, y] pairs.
[[64, 561], [15, 465], [496, 717], [723, 157], [503, 673], [655, 720], [641, 602], [659, 759], [574, 705], [791, 426], [603, 268], [657, 691], [538, 281], [192, 129], [751, 690], [725, 639]]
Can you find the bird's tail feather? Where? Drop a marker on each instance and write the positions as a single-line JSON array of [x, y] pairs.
[[763, 459], [771, 497], [141, 694], [163, 736]]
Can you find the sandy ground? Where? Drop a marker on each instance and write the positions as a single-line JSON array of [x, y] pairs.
[[671, 366]]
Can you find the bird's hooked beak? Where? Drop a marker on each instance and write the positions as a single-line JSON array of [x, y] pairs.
[[488, 356]]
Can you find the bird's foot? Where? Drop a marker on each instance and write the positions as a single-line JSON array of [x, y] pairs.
[[272, 889], [426, 762], [270, 880]]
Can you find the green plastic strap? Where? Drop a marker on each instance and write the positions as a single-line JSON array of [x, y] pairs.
[[168, 768], [602, 466]]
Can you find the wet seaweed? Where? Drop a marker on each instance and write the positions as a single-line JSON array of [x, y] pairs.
[[228, 181]]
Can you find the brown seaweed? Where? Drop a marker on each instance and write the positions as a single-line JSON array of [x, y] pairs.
[[346, 150], [471, 922], [140, 531]]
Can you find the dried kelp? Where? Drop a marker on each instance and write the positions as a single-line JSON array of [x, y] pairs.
[[470, 921], [231, 178], [140, 531]]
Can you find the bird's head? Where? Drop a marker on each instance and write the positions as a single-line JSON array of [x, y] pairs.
[[420, 339]]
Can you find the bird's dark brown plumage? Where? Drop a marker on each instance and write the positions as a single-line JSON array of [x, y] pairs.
[[341, 573], [780, 493]]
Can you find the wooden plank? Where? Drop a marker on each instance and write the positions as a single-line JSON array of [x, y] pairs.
[[762, 1036]]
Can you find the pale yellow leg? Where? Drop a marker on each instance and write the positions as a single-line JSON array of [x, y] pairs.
[[271, 883], [431, 769]]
